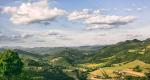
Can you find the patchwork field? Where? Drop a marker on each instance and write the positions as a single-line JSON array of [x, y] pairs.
[[120, 70]]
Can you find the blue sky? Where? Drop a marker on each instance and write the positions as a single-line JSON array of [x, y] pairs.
[[53, 23]]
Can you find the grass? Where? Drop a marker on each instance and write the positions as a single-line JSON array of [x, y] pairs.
[[126, 67], [93, 65], [130, 65]]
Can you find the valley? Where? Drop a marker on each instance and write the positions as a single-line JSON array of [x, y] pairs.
[[129, 60]]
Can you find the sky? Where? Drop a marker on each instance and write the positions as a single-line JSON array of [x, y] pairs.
[[59, 23]]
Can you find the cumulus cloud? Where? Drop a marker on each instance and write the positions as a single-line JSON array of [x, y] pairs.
[[79, 15], [33, 12], [94, 19], [10, 10]]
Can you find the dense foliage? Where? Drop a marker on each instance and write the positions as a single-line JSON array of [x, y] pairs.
[[66, 63], [10, 64]]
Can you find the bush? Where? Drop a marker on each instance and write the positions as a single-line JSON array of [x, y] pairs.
[[138, 68], [148, 75]]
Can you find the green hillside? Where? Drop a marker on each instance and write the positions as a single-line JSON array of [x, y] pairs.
[[131, 57], [129, 60], [124, 51]]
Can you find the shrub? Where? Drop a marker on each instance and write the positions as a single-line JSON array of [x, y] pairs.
[[138, 68]]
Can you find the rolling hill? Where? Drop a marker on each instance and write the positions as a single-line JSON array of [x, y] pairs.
[[131, 58]]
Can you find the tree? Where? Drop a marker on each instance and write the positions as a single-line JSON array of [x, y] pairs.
[[10, 64], [81, 75]]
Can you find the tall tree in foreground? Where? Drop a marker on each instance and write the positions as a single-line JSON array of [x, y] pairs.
[[10, 64]]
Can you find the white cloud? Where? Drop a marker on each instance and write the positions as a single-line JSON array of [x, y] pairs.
[[64, 37], [79, 15], [9, 9], [10, 38], [33, 12], [94, 19]]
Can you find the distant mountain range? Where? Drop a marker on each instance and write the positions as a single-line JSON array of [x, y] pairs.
[[119, 52], [53, 50], [112, 58]]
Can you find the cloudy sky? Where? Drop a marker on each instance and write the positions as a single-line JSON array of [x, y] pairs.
[[54, 23]]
